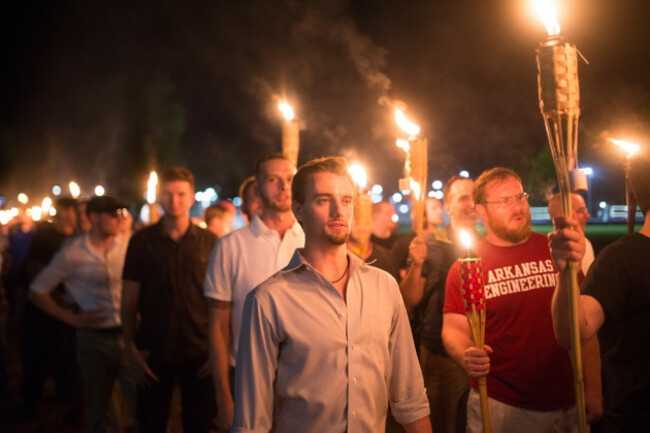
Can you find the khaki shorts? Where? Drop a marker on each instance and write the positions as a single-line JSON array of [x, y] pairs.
[[511, 419]]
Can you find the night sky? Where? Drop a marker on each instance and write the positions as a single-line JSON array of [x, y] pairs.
[[103, 92]]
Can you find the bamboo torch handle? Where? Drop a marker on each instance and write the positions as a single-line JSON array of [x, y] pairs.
[[478, 319], [485, 409], [576, 355], [574, 294]]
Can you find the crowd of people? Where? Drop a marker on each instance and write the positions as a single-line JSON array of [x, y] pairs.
[[312, 318]]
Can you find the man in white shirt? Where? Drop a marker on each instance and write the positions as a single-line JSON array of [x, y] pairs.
[[90, 267], [326, 343], [242, 260]]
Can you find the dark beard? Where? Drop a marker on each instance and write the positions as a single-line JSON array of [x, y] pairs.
[[269, 204], [337, 239], [514, 236]]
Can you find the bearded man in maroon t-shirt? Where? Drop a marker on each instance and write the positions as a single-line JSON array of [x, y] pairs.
[[529, 377]]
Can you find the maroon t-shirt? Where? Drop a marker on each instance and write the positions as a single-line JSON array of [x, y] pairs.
[[527, 369]]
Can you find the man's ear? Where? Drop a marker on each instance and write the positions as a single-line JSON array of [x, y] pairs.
[[481, 211], [297, 211]]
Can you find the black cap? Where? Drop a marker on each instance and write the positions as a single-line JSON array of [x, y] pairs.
[[104, 204]]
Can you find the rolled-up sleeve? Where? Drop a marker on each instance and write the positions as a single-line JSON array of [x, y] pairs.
[[406, 392], [52, 275], [257, 362]]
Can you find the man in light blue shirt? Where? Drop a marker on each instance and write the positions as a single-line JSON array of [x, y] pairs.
[[90, 267]]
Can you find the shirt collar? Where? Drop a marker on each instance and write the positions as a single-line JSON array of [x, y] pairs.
[[258, 227], [85, 239], [298, 261], [192, 230]]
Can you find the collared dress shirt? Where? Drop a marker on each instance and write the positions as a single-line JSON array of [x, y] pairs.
[[242, 260], [174, 316], [311, 361], [93, 280]]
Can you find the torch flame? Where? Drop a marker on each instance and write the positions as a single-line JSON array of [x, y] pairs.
[[466, 239], [407, 126], [151, 187], [74, 189], [358, 174], [630, 148], [5, 217], [547, 12], [415, 189], [286, 110], [46, 205], [36, 213], [403, 144]]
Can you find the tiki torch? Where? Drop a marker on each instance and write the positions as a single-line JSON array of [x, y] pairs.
[[362, 221], [559, 102], [152, 186], [415, 167], [290, 132], [473, 294], [74, 188], [630, 200]]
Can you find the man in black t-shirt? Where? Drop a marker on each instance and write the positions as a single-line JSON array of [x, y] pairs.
[[163, 284], [615, 303]]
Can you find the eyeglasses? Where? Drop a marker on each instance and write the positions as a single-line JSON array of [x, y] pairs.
[[509, 201]]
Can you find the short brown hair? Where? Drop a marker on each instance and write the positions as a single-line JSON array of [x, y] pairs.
[[175, 174], [265, 158], [332, 164], [496, 173], [452, 180], [247, 183], [217, 210]]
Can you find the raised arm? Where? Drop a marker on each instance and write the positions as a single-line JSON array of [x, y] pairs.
[[567, 244], [412, 285]]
